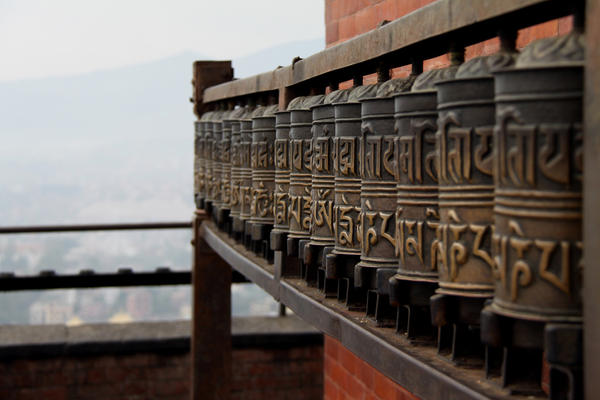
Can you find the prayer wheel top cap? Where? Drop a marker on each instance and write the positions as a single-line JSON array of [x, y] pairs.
[[296, 103], [359, 93], [484, 66], [567, 50], [270, 110], [257, 112], [337, 96], [427, 80], [235, 114], [207, 116], [217, 115], [394, 86], [310, 101]]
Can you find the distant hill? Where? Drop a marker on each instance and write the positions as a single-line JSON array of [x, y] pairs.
[[107, 146]]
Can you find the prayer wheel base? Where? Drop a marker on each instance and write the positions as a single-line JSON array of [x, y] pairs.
[[458, 322], [260, 237], [414, 313], [525, 347], [341, 268]]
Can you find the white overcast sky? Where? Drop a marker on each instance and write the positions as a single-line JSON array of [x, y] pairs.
[[40, 38]]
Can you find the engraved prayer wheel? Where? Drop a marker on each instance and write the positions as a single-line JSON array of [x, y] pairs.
[[199, 161], [417, 215], [378, 187], [466, 117], [235, 203], [347, 170], [226, 166], [282, 179], [536, 313], [263, 174], [212, 188], [218, 161], [539, 162], [346, 253], [323, 186], [245, 172], [464, 142], [417, 190], [301, 173]]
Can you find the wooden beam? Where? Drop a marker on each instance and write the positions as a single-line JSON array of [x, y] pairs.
[[426, 32]]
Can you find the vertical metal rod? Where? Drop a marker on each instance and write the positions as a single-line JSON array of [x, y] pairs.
[[211, 323], [591, 193]]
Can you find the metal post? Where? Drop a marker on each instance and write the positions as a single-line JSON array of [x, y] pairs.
[[211, 324], [591, 193]]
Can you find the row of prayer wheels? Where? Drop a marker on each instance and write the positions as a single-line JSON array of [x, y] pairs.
[[448, 202]]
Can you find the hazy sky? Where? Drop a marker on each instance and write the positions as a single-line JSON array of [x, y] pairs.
[[41, 38]]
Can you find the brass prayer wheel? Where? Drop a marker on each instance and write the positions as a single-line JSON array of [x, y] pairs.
[[236, 164], [263, 173], [199, 162], [218, 163], [539, 160], [417, 215], [245, 171], [323, 178], [322, 231], [282, 179], [378, 184], [212, 186], [464, 140], [226, 166], [301, 172], [347, 170]]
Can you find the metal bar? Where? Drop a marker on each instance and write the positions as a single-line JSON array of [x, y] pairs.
[[591, 193], [211, 321], [90, 279], [426, 32], [94, 280], [95, 227]]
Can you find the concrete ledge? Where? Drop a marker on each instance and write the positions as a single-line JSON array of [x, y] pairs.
[[42, 341]]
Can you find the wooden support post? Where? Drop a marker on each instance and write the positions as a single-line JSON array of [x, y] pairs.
[[211, 324], [206, 74], [591, 194]]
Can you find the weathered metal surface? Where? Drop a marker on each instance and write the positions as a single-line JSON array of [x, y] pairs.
[[245, 170], [263, 166], [464, 143], [539, 146], [323, 178], [417, 215], [347, 171], [219, 158], [427, 31], [282, 173], [199, 184], [301, 168], [378, 183], [235, 202], [226, 155], [212, 186]]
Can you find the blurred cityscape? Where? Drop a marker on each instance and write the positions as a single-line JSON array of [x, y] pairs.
[[66, 162]]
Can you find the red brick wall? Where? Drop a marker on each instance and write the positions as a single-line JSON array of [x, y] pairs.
[[345, 19], [290, 373], [349, 377]]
